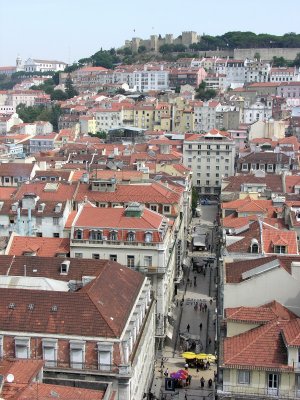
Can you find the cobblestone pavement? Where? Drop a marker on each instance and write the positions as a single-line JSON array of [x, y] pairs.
[[200, 288]]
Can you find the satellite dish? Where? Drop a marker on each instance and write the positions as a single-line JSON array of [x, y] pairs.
[[10, 378]]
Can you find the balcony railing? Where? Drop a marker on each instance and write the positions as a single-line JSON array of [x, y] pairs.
[[152, 269], [251, 392], [114, 242], [89, 367]]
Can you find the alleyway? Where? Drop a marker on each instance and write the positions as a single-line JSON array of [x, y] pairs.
[[195, 288]]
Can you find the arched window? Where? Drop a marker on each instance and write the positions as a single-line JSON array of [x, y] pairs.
[[131, 236], [113, 235], [254, 246], [148, 237]]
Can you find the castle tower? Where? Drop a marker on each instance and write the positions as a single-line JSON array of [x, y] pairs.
[[19, 66], [154, 43]]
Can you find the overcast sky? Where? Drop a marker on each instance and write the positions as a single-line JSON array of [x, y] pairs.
[[68, 30]]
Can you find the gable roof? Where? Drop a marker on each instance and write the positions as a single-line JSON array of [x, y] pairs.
[[261, 347], [262, 314], [102, 306], [234, 270], [42, 246]]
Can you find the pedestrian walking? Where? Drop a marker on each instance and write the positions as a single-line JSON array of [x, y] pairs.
[[200, 326], [188, 328], [166, 373], [202, 381], [185, 396], [162, 364], [210, 383], [197, 365], [205, 307], [186, 366]]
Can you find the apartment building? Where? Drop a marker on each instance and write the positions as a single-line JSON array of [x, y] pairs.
[[289, 90], [136, 237], [87, 320], [256, 71], [205, 115], [283, 74], [151, 78], [210, 157]]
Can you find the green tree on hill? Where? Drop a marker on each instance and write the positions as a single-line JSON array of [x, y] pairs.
[[69, 88]]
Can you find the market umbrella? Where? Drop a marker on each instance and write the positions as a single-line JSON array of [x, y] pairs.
[[201, 356], [211, 357], [182, 374], [189, 355]]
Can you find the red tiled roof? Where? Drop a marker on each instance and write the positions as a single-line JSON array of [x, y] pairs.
[[262, 314], [63, 192], [42, 246], [142, 193], [16, 169], [95, 217], [261, 347], [291, 333], [46, 391], [274, 237], [102, 306], [234, 270], [272, 181]]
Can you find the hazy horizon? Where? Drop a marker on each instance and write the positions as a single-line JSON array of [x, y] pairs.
[[68, 30]]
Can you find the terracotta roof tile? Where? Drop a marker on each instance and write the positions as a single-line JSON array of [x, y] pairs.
[[260, 347], [43, 247], [102, 306], [49, 391], [262, 314], [291, 333]]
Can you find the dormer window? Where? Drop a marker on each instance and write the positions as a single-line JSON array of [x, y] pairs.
[[78, 234], [167, 209], [96, 234], [148, 237], [254, 246], [113, 235], [131, 236], [280, 249]]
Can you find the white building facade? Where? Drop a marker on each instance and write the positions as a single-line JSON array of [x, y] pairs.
[[210, 157]]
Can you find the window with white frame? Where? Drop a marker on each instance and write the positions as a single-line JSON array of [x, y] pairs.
[[153, 207], [113, 235], [130, 261], [245, 167], [167, 209], [131, 236], [244, 377], [77, 354], [280, 249], [148, 237], [105, 356], [50, 352], [148, 261], [22, 347]]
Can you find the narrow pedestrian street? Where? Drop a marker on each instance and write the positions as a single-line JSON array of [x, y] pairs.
[[193, 317]]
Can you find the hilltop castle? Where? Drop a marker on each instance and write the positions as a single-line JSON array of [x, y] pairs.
[[155, 41]]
